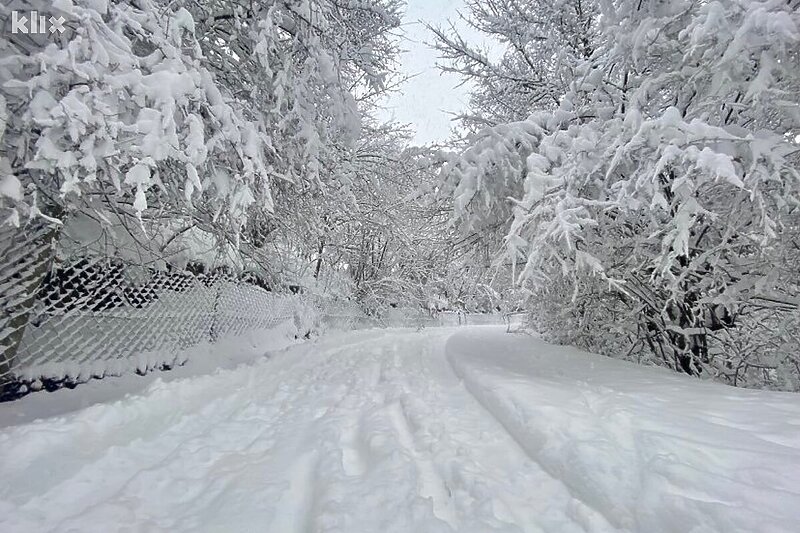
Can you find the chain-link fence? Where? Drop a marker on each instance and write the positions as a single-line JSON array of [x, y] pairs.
[[69, 319]]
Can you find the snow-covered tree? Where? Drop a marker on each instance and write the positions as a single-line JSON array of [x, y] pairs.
[[376, 234], [542, 42], [655, 210], [197, 108], [148, 127]]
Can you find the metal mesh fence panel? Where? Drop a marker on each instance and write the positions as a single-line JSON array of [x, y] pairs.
[[71, 319]]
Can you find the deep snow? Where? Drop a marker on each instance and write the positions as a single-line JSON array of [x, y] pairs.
[[443, 429]]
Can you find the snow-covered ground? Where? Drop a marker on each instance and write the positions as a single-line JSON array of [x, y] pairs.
[[443, 429]]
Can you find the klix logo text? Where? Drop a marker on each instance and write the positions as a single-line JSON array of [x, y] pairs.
[[33, 23]]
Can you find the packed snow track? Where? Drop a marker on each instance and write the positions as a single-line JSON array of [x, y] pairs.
[[439, 430]]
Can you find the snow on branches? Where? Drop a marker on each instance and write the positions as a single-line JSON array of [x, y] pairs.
[[657, 207], [119, 106], [147, 108]]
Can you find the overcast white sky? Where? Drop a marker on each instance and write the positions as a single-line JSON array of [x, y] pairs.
[[424, 101]]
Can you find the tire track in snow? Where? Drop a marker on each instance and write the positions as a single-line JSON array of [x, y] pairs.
[[295, 513], [353, 461], [413, 397], [493, 467], [430, 484]]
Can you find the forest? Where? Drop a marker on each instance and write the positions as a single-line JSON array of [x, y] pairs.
[[626, 173]]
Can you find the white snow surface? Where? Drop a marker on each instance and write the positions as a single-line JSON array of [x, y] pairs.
[[444, 429]]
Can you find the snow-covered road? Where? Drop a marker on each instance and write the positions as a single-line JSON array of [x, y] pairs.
[[463, 429]]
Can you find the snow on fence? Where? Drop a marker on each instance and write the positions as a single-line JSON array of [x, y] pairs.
[[91, 319]]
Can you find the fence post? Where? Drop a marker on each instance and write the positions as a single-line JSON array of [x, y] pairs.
[[26, 263], [213, 333]]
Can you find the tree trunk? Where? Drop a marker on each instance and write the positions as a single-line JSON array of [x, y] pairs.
[[319, 257]]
